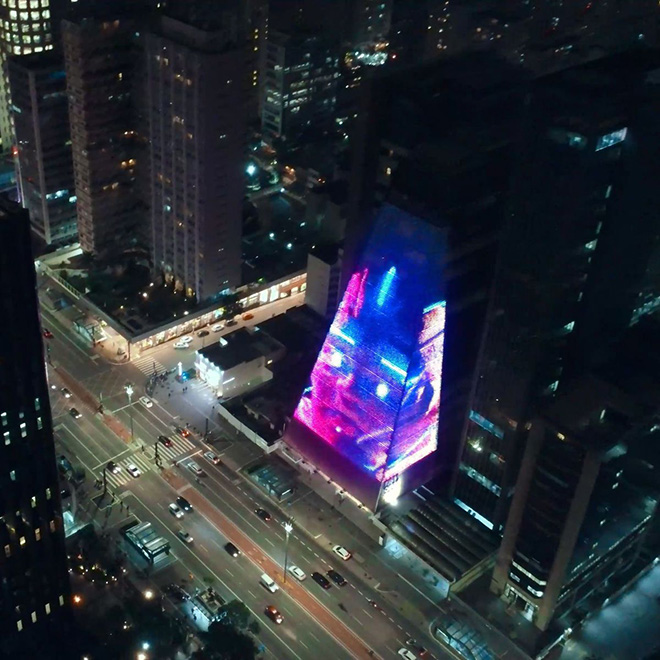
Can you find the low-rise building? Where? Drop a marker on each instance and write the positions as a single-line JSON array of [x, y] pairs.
[[238, 362]]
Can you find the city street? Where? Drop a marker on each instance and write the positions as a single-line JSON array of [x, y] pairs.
[[348, 620]]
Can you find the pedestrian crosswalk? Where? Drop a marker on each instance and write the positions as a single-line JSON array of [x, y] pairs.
[[145, 460], [148, 366]]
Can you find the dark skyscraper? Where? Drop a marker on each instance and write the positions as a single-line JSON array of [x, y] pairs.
[[34, 584], [581, 227]]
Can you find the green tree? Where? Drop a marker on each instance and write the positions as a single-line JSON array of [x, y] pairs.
[[223, 642], [235, 614]]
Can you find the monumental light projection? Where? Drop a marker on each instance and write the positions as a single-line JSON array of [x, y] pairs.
[[375, 391]]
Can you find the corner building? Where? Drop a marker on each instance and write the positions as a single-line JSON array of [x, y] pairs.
[[34, 582]]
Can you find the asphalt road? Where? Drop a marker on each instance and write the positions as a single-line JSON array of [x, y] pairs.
[[313, 618]]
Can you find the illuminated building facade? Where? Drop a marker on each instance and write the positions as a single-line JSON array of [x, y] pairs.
[[371, 410]]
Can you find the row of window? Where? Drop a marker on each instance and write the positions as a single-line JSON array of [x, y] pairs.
[[33, 616]]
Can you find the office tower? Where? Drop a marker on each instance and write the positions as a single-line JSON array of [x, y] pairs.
[[369, 417], [300, 86], [35, 598], [440, 140], [43, 147], [27, 28], [100, 58], [257, 26], [197, 132], [419, 30], [371, 22], [580, 234], [580, 512]]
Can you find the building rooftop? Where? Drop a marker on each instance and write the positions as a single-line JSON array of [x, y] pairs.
[[239, 347]]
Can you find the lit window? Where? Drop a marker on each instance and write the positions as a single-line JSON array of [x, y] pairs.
[[19, 625], [3, 416], [12, 475], [61, 600], [47, 493], [7, 551], [52, 525], [591, 245], [33, 616], [611, 139], [47, 608], [40, 424], [7, 438], [22, 540], [37, 534], [33, 502], [23, 430]]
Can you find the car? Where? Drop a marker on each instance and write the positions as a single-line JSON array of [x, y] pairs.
[[217, 327], [184, 433], [184, 536], [164, 440], [407, 654], [181, 344], [66, 393], [248, 317], [203, 333], [146, 401], [213, 458], [113, 467], [74, 413], [376, 606], [133, 470], [337, 578], [263, 514], [183, 503], [419, 649], [175, 510], [273, 614], [232, 550], [231, 323], [176, 592], [340, 551], [48, 334], [321, 580], [186, 339], [297, 573], [195, 468]]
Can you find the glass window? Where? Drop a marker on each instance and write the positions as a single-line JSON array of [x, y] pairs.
[[610, 139]]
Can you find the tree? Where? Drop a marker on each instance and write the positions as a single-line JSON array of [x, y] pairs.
[[223, 642], [235, 614]]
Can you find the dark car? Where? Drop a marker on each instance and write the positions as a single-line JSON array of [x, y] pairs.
[[163, 439], [48, 334], [263, 514], [183, 503], [337, 578], [232, 549], [113, 467], [181, 431], [321, 580], [203, 333], [74, 413], [176, 593], [231, 323]]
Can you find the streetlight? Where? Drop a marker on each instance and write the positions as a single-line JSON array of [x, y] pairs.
[[148, 594], [129, 393], [288, 528]]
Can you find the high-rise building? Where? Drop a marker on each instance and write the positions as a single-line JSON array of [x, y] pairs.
[[371, 22], [419, 30], [197, 136], [34, 583], [440, 140], [369, 417], [40, 108], [300, 86], [28, 26], [100, 55], [581, 229], [579, 514]]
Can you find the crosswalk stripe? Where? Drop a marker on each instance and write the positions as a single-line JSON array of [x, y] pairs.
[[146, 365]]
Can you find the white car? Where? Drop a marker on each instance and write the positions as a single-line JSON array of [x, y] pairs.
[[297, 573], [217, 327], [213, 458], [195, 468], [146, 401], [133, 470], [175, 510], [181, 344], [187, 339], [340, 551], [407, 654], [184, 536]]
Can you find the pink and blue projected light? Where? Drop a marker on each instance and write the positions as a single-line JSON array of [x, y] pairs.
[[375, 389]]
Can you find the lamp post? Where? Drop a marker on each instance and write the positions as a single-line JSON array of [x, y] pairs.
[[288, 528], [129, 393]]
